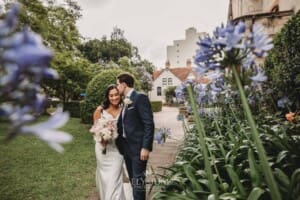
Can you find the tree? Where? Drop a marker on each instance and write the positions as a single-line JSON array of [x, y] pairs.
[[145, 70], [118, 52], [283, 63], [56, 24], [74, 77], [91, 50], [105, 50]]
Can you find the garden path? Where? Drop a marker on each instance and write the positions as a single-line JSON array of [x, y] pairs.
[[163, 155]]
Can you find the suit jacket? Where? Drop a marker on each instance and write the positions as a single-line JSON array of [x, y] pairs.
[[138, 125]]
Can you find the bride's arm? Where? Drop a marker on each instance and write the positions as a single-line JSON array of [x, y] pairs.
[[97, 113]]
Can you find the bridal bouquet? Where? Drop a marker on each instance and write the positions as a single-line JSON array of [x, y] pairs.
[[104, 131]]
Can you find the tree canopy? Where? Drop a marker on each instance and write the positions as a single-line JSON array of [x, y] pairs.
[[106, 50]]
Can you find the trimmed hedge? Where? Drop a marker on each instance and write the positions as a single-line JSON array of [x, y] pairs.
[[156, 106], [54, 103], [95, 93], [73, 107]]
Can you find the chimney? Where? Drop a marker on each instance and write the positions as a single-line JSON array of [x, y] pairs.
[[189, 63], [167, 64]]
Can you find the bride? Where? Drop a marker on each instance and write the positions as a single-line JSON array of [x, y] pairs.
[[109, 176]]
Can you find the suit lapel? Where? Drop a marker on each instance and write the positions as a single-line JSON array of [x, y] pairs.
[[132, 98]]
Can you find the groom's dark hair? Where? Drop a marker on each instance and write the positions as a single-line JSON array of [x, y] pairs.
[[126, 78]]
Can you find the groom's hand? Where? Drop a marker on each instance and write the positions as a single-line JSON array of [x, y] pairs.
[[144, 154]]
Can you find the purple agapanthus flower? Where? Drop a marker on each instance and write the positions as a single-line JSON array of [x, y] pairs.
[[24, 63], [259, 77], [230, 45], [10, 21], [284, 102], [162, 134], [261, 42]]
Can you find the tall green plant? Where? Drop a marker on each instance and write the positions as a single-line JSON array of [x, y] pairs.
[[261, 151], [230, 48], [202, 142]]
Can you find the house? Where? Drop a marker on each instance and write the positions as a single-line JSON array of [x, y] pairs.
[[171, 76]]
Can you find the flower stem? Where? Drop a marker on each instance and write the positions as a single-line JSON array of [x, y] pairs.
[[274, 191], [201, 131]]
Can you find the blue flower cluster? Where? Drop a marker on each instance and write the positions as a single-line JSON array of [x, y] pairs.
[[161, 135], [230, 45], [24, 63]]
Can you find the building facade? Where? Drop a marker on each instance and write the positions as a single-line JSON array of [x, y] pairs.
[[167, 77], [172, 76], [272, 14], [183, 50]]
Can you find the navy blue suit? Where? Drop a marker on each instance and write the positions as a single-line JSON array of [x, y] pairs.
[[139, 130]]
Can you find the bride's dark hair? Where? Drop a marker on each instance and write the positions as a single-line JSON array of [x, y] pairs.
[[106, 98]]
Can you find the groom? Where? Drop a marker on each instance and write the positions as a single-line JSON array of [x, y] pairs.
[[136, 130]]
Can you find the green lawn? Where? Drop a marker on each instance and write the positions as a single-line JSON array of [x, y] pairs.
[[29, 169]]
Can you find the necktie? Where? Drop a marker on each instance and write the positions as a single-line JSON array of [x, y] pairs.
[[123, 115]]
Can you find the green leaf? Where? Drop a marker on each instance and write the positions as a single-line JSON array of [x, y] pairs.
[[281, 156], [254, 172], [211, 197], [191, 176], [294, 189], [229, 196], [255, 193], [282, 178], [235, 180]]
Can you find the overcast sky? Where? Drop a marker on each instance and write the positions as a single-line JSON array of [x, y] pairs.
[[150, 25]]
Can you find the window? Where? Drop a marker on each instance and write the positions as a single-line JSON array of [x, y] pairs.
[[164, 81], [170, 81], [158, 91]]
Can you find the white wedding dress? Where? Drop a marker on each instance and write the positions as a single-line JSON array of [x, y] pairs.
[[109, 172]]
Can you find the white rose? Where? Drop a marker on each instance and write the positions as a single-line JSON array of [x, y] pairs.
[[106, 134], [127, 101]]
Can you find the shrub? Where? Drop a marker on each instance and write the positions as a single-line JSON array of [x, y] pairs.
[[170, 94], [83, 115], [73, 107], [156, 106], [95, 93], [282, 65], [54, 103]]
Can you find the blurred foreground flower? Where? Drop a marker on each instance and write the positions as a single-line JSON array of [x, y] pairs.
[[24, 64]]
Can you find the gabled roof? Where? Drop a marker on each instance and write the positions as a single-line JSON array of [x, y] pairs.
[[180, 72], [156, 74]]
